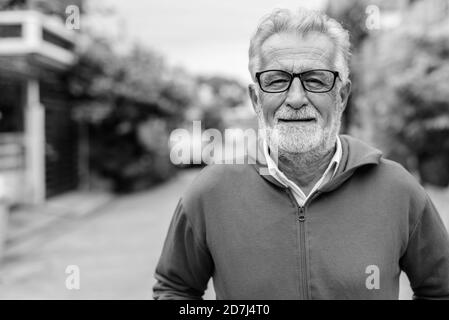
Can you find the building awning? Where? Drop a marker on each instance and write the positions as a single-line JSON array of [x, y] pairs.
[[31, 41]]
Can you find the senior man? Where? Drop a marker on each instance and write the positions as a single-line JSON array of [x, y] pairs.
[[332, 219]]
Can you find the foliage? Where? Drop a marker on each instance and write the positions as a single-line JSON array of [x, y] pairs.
[[351, 14], [131, 103], [400, 99], [228, 92], [405, 93], [118, 98]]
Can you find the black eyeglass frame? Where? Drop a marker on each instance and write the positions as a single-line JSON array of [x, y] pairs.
[[294, 75]]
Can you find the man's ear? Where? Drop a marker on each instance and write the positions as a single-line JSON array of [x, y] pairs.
[[345, 91], [253, 96]]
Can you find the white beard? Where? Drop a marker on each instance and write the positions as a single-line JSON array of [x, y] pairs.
[[310, 139]]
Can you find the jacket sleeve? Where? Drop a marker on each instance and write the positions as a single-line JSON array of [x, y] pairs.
[[185, 265], [426, 260]]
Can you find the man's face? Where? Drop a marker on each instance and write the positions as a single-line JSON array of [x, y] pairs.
[[298, 121]]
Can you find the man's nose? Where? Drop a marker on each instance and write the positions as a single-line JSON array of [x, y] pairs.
[[296, 95]]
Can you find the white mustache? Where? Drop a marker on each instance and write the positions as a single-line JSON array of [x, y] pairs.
[[290, 114]]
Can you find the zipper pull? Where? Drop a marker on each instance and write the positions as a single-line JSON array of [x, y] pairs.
[[301, 216]]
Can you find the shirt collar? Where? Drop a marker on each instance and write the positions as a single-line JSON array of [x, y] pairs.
[[279, 175]]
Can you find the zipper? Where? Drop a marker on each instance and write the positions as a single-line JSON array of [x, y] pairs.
[[301, 219], [302, 252]]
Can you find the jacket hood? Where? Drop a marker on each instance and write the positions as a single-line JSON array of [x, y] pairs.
[[355, 154]]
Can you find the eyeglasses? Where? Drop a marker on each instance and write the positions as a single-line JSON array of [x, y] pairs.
[[317, 81]]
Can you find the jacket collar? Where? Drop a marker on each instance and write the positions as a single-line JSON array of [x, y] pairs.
[[355, 154]]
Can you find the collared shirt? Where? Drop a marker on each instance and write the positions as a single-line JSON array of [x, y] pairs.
[[299, 195]]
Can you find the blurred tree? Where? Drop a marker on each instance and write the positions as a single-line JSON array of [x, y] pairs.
[[126, 102], [218, 94], [351, 14], [229, 91], [405, 97]]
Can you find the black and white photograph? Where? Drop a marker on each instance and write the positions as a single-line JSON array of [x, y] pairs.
[[224, 150]]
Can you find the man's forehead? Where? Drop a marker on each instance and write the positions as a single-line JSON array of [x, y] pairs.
[[293, 51]]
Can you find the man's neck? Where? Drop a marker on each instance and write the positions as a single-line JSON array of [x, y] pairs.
[[305, 169]]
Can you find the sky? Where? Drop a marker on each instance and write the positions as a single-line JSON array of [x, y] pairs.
[[202, 36]]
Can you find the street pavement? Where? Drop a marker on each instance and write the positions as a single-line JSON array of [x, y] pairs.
[[115, 250]]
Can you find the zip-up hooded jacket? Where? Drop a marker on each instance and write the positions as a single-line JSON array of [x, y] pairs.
[[350, 240]]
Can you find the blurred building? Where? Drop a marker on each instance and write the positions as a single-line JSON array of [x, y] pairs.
[[399, 71], [38, 138]]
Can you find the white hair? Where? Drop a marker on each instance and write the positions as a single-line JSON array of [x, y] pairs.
[[303, 22]]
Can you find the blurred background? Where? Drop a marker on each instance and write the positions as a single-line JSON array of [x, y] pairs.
[[91, 90]]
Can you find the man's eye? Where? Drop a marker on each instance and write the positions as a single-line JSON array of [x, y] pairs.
[[314, 81], [277, 81]]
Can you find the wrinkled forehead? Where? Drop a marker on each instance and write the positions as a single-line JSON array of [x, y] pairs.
[[297, 53]]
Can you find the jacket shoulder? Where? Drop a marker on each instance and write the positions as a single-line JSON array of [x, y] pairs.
[[214, 182], [217, 176], [401, 178], [403, 187]]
